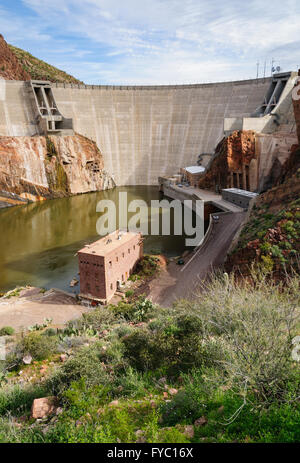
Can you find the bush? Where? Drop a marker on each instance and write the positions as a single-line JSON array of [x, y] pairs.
[[256, 323], [147, 266], [37, 345], [7, 331], [94, 364], [175, 345], [98, 319], [137, 311], [129, 293], [17, 400], [50, 332]]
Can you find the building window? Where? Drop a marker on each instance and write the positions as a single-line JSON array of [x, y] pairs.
[[123, 254], [111, 286], [128, 251], [134, 247], [117, 259], [110, 263]]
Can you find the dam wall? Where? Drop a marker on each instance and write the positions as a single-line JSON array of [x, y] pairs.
[[143, 132]]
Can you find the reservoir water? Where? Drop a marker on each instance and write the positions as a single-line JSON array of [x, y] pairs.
[[39, 241]]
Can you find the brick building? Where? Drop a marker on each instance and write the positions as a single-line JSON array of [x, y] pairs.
[[192, 174], [108, 262]]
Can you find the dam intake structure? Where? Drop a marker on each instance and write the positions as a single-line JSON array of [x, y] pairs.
[[48, 118]]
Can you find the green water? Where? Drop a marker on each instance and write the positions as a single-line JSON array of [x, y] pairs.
[[38, 242]]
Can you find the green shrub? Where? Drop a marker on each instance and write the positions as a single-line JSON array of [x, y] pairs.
[[255, 323], [17, 400], [140, 310], [50, 332], [129, 293], [98, 319], [94, 364], [147, 266], [37, 345], [7, 331], [176, 345]]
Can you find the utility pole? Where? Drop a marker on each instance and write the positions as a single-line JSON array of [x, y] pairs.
[[265, 64], [257, 69]]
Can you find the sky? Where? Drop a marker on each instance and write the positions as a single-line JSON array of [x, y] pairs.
[[144, 42]]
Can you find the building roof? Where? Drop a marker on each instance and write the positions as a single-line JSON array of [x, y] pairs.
[[195, 169], [240, 192], [109, 243]]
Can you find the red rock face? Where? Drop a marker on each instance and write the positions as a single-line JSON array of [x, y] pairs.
[[48, 167], [10, 68], [233, 156], [240, 150]]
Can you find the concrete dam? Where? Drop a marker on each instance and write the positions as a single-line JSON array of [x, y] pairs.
[[144, 132]]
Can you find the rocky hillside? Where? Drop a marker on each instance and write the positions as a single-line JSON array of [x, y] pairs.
[[231, 155], [10, 67], [249, 160], [46, 167], [271, 236], [17, 64]]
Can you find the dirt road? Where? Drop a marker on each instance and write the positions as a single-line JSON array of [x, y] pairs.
[[180, 282]]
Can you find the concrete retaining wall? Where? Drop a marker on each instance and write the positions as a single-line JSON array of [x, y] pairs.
[[142, 132]]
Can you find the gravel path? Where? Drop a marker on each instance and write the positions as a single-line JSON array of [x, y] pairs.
[[181, 282]]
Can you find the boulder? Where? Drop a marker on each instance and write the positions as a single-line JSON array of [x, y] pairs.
[[200, 421], [113, 403], [27, 359], [44, 407], [172, 391]]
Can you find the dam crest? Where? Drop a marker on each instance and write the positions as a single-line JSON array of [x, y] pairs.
[[145, 132]]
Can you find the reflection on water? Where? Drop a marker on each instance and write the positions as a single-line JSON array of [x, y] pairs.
[[38, 242]]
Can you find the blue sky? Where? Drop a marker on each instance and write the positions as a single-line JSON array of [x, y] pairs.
[[156, 41]]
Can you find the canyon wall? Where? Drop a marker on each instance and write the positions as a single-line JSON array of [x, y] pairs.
[[10, 68], [249, 160], [47, 167], [143, 132], [271, 235]]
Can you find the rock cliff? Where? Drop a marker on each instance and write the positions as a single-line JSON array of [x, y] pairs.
[[231, 162], [49, 167], [18, 64], [271, 236], [10, 67], [248, 160]]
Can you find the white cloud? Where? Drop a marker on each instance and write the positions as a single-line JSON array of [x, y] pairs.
[[166, 41]]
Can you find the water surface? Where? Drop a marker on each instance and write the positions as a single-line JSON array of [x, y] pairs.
[[39, 241]]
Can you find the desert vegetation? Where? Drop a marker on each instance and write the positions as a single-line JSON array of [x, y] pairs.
[[215, 369], [39, 69]]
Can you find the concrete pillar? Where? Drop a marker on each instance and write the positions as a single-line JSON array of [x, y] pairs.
[[253, 183], [244, 177]]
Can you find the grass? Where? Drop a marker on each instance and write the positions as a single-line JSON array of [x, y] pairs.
[[7, 331], [40, 70], [225, 358]]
